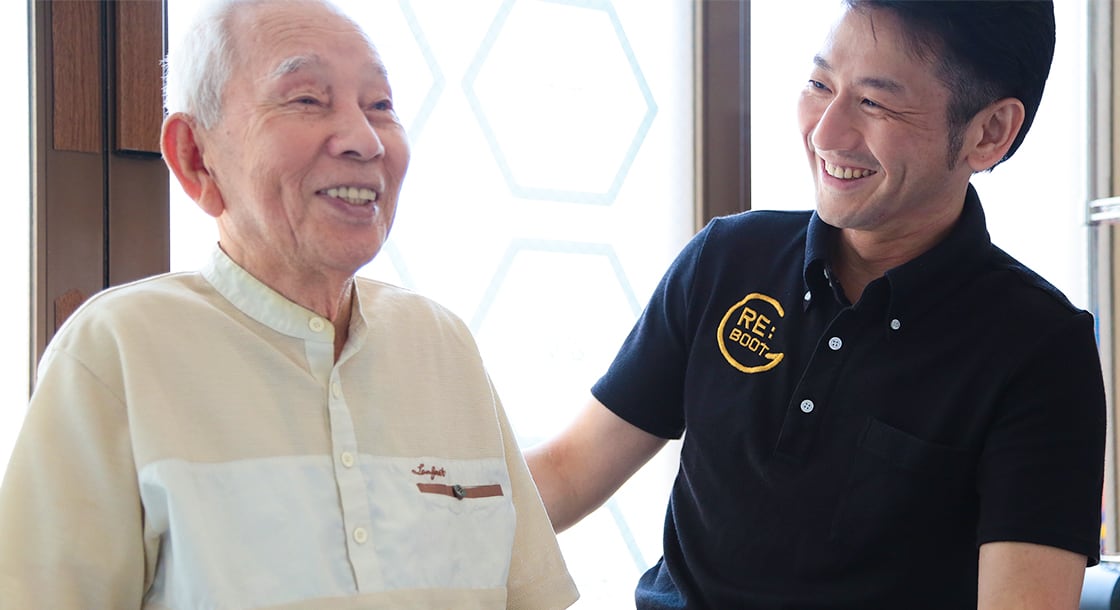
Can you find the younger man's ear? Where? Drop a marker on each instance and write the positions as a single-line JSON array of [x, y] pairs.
[[992, 131], [183, 152]]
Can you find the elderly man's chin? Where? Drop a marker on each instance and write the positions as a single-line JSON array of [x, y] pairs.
[[353, 257], [351, 248], [337, 251]]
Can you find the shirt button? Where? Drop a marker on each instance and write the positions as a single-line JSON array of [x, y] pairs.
[[895, 324], [336, 389], [835, 343], [809, 295], [347, 459], [807, 406], [316, 324], [360, 535]]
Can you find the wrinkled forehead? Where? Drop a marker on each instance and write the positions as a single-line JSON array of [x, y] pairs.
[[313, 61], [278, 37]]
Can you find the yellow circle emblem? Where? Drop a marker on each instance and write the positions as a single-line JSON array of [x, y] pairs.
[[745, 343]]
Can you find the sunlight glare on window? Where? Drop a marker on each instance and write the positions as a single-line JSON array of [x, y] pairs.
[[15, 231]]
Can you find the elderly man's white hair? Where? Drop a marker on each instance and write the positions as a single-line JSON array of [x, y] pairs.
[[197, 69]]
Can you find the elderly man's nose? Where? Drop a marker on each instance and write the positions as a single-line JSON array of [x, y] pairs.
[[356, 137]]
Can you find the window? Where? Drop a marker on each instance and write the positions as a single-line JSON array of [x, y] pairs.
[[15, 231], [551, 184]]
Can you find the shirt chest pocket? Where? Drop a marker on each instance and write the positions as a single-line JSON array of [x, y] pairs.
[[903, 487], [441, 522]]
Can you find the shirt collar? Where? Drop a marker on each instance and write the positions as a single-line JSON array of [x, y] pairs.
[[915, 284], [817, 243], [263, 304]]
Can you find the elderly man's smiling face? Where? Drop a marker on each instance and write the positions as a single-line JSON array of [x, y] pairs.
[[308, 156]]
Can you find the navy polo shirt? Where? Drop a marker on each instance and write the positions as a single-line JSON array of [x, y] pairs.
[[842, 455]]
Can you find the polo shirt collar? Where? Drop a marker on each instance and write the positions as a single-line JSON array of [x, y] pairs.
[[913, 285], [260, 302], [817, 244], [916, 285]]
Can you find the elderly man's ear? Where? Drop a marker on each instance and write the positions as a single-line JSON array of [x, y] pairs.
[[184, 155]]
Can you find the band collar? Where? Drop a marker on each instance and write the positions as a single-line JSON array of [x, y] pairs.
[[260, 302]]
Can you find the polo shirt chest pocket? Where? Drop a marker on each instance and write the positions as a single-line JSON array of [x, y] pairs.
[[442, 522], [903, 485]]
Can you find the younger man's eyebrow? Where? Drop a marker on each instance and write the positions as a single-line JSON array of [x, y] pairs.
[[881, 83]]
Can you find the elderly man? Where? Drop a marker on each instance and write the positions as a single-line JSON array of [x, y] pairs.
[[880, 408], [271, 432]]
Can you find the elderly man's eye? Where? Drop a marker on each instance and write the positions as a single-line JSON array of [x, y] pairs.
[[383, 105], [307, 101]]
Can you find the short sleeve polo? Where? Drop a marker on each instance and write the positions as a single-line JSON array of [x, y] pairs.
[[841, 455]]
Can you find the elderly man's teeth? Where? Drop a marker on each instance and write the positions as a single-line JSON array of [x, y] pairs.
[[353, 195], [846, 173]]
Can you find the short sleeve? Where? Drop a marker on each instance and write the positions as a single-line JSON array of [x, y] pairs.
[[70, 517], [644, 385], [1042, 470], [538, 576]]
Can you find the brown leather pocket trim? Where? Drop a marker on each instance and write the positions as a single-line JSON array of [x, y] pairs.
[[461, 491]]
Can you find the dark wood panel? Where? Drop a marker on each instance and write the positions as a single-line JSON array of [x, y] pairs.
[[74, 248], [139, 243], [139, 98], [76, 74], [723, 126]]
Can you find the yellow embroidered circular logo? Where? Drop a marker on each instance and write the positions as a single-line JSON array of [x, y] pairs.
[[745, 342]]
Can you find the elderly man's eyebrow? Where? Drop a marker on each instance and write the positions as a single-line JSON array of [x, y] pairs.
[[296, 63], [874, 82]]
